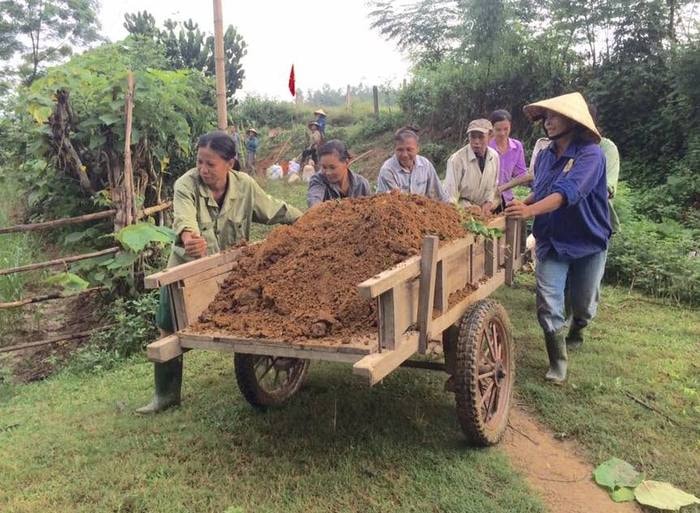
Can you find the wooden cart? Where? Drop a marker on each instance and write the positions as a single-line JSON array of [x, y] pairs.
[[439, 295]]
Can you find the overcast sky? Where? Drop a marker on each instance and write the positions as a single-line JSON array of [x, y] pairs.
[[329, 41]]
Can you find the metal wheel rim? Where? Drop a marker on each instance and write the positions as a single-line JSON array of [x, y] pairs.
[[276, 374], [493, 381]]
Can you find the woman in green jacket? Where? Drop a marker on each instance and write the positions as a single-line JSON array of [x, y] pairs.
[[214, 207]]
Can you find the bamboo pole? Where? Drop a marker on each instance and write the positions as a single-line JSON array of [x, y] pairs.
[[58, 222], [58, 262], [105, 214], [361, 156], [52, 340], [129, 203], [47, 297], [154, 209], [219, 66]]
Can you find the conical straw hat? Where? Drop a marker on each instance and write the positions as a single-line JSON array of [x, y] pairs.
[[572, 106], [320, 111]]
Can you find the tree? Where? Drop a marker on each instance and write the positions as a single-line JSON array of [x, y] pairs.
[[45, 31], [187, 47], [425, 29]]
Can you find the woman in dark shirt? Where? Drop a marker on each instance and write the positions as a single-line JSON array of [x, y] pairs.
[[335, 180]]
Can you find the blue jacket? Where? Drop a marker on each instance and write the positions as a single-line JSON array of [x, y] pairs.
[[580, 227]]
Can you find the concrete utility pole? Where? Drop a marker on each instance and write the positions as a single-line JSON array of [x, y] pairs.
[[219, 66]]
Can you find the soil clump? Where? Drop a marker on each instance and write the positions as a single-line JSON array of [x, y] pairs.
[[301, 282]]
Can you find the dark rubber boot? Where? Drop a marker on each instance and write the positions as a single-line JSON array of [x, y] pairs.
[[168, 384], [574, 339], [556, 350]]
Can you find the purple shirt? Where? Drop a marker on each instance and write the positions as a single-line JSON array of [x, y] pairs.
[[512, 164]]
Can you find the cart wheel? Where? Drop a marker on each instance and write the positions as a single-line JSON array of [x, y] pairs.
[[268, 380], [485, 372]]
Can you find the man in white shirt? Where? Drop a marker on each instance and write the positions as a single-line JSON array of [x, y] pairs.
[[472, 171]]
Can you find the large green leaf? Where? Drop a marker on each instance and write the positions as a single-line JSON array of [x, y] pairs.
[[69, 281], [616, 473], [663, 496], [124, 259], [623, 494], [137, 236]]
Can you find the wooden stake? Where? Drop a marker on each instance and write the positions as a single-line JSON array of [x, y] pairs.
[[38, 299], [219, 66], [426, 292], [129, 203], [58, 262]]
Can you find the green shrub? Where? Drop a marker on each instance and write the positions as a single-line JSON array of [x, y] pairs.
[[657, 258], [257, 112], [133, 328]]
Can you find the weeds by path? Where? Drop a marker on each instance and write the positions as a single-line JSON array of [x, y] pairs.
[[636, 351]]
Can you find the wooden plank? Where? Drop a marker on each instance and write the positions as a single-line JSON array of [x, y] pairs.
[[386, 280], [490, 256], [443, 322], [265, 347], [164, 349], [221, 272], [456, 270], [387, 326], [198, 296], [478, 262], [441, 294], [408, 269], [405, 306], [510, 241], [178, 307], [376, 367], [426, 294], [357, 346], [189, 269]]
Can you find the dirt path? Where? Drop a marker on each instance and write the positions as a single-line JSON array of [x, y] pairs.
[[555, 469]]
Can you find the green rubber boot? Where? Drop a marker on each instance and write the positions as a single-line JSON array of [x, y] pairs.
[[168, 384], [574, 339], [556, 350]]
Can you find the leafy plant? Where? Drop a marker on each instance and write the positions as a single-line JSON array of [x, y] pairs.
[[133, 327]]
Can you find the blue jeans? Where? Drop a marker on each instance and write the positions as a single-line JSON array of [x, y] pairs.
[[581, 292]]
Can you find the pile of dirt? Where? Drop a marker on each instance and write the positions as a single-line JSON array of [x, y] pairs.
[[301, 282]]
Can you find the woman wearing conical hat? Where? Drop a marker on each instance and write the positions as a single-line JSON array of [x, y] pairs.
[[572, 224]]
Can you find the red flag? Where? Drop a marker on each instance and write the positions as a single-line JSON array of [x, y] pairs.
[[292, 88]]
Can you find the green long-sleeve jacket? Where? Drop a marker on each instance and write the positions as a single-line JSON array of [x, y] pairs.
[[196, 210], [612, 173]]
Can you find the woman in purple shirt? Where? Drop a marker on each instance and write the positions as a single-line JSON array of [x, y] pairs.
[[509, 150]]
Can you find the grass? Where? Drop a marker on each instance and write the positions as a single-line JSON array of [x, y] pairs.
[[635, 347], [15, 249], [73, 443]]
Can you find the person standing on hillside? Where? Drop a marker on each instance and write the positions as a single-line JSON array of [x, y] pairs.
[[472, 171], [321, 120], [572, 223], [407, 171], [335, 180], [315, 141], [214, 208], [251, 146], [510, 151]]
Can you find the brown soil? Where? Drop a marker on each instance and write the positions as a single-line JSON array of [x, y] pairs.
[[555, 469], [301, 282]]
